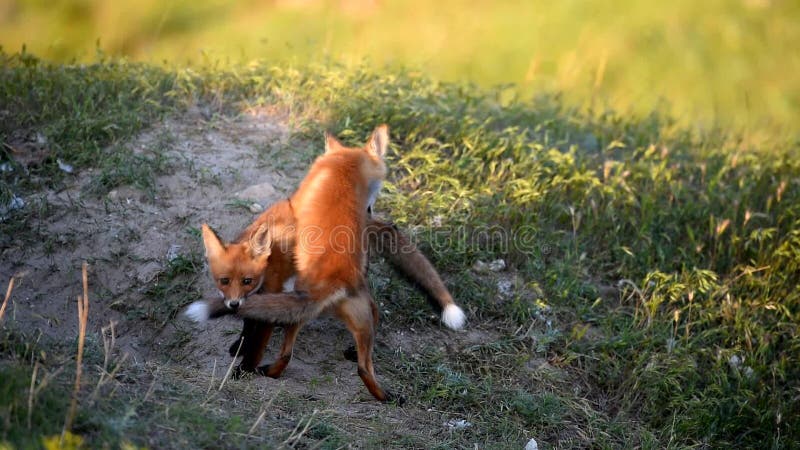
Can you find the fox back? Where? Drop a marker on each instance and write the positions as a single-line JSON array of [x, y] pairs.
[[331, 210]]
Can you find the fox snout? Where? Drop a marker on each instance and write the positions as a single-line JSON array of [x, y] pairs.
[[234, 303]]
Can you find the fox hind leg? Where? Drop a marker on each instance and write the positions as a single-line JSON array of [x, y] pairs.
[[356, 313], [350, 353]]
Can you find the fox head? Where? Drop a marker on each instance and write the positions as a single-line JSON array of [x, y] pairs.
[[374, 168], [238, 267]]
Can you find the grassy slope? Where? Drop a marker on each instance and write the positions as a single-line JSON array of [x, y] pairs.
[[703, 232], [732, 61]]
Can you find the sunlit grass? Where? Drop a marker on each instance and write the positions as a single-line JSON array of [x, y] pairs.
[[709, 63]]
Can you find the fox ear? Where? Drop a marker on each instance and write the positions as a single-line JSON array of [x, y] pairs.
[[331, 143], [260, 243], [213, 244], [379, 141]]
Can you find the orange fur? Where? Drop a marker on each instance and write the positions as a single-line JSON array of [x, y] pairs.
[[319, 235]]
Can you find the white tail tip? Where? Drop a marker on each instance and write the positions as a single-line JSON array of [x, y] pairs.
[[453, 316], [197, 311]]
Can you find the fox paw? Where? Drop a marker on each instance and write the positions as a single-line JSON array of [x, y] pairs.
[[395, 399], [350, 353], [240, 372]]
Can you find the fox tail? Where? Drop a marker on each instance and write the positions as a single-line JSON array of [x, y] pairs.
[[389, 242], [279, 308]]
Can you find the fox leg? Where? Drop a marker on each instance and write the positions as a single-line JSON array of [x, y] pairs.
[[356, 313], [386, 240], [250, 330], [275, 369], [351, 353], [255, 337]]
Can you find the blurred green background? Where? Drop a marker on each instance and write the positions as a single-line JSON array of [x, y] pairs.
[[731, 63]]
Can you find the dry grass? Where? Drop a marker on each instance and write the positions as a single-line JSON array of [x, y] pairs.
[[5, 300], [83, 318]]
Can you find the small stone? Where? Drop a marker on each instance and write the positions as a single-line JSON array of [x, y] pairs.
[[480, 266], [532, 445], [457, 424], [147, 272], [174, 252], [13, 204], [256, 208], [505, 287], [497, 265], [260, 192], [67, 168]]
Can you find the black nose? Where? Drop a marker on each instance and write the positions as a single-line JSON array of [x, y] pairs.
[[233, 304]]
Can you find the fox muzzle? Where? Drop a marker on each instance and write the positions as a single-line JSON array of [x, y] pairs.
[[234, 303]]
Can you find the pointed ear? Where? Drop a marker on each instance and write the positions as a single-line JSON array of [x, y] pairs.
[[260, 243], [379, 141], [214, 246], [331, 143]]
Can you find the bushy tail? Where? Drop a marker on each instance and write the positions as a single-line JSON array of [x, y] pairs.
[[281, 308], [387, 241]]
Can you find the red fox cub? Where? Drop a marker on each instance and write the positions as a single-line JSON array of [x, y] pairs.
[[319, 233]]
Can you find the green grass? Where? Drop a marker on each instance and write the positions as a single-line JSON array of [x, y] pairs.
[[650, 257], [713, 62]]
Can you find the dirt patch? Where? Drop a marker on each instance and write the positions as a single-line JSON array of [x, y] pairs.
[[221, 172], [128, 236]]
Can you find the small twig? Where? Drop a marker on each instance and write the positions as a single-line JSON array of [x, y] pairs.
[[641, 299], [46, 380], [263, 412], [296, 438], [31, 392], [108, 349], [151, 388], [109, 376], [8, 296], [244, 435], [308, 424], [257, 422], [108, 343], [213, 375], [291, 435], [83, 316], [230, 368]]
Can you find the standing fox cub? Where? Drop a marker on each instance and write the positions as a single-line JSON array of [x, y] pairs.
[[320, 236]]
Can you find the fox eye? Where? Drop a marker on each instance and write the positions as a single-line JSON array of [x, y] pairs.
[[247, 281], [224, 281]]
